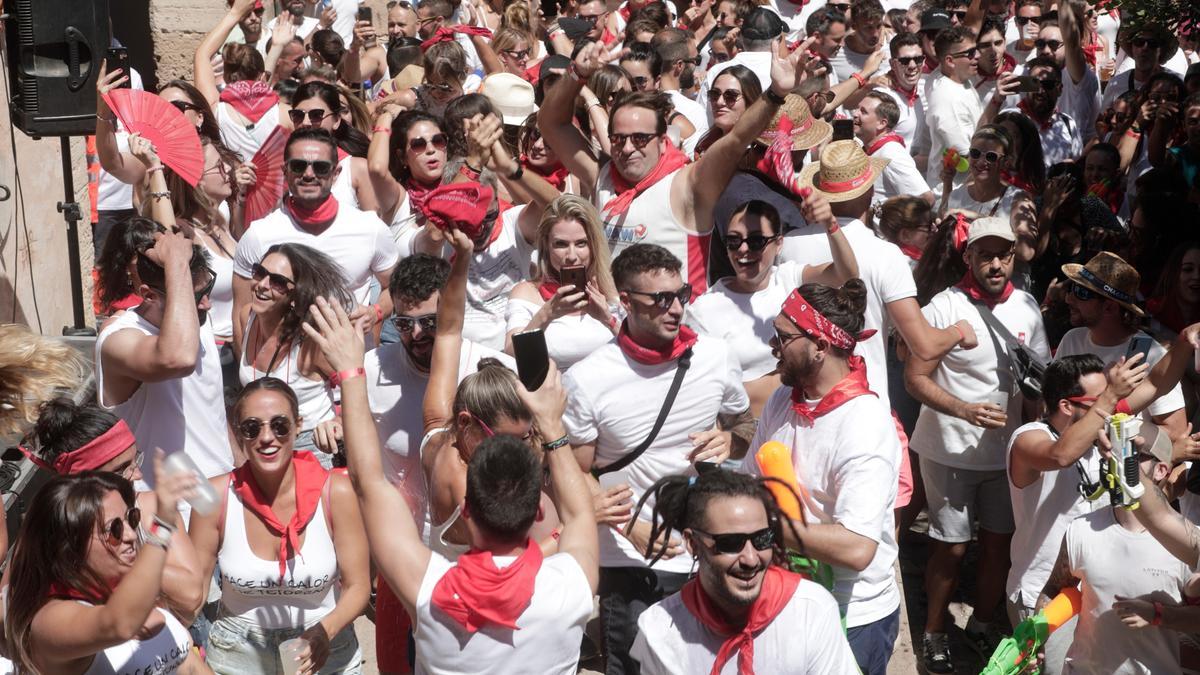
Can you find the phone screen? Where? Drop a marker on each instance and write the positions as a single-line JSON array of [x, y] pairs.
[[364, 13], [533, 361]]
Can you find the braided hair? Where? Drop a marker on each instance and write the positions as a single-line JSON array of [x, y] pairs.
[[681, 502]]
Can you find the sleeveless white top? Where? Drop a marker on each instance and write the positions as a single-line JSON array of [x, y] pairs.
[[343, 185], [157, 411], [162, 653], [250, 585], [316, 400], [221, 314], [568, 338], [244, 139], [436, 542]]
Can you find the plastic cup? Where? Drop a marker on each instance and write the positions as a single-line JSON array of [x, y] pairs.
[[613, 479], [289, 654], [204, 497], [999, 398]]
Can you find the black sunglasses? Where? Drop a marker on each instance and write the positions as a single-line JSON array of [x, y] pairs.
[[279, 283], [842, 7], [664, 299], [591, 19], [959, 14], [639, 140], [516, 54], [1146, 42], [1022, 20], [419, 144], [966, 53], [314, 116], [115, 529], [734, 542], [730, 96], [909, 60], [1082, 292], [251, 427], [1053, 45], [321, 167], [1049, 84], [754, 242], [184, 106], [406, 324], [990, 157]]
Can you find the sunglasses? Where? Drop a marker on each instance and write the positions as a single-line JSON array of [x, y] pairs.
[[1146, 42], [184, 106], [115, 529], [842, 7], [966, 53], [754, 242], [640, 82], [1083, 293], [591, 19], [1022, 20], [126, 470], [990, 157], [221, 169], [783, 338], [1052, 45], [321, 168], [665, 299], [730, 96], [731, 543], [487, 431], [1049, 83], [959, 14], [279, 283], [406, 324], [515, 54], [639, 140], [694, 61], [204, 290], [419, 144], [314, 116], [250, 428], [909, 60]]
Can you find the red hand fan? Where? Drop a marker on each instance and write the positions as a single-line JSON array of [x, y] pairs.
[[173, 136], [269, 185]]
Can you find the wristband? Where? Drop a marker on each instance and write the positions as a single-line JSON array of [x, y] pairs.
[[110, 120], [160, 523], [470, 171], [862, 81], [961, 335], [1133, 134], [834, 228], [161, 195], [516, 175], [555, 444], [382, 130], [341, 376], [156, 167], [378, 313], [772, 97], [1157, 621]]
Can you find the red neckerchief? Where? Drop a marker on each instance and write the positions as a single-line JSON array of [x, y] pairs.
[[929, 66], [1017, 181], [547, 289], [310, 479], [852, 386], [911, 251], [532, 73], [341, 155], [625, 12], [1108, 194], [62, 591], [1029, 113], [1007, 64], [970, 285], [778, 587], [671, 160], [556, 177], [251, 98], [1089, 53], [653, 357], [910, 95], [607, 38], [418, 192], [883, 140], [446, 34], [476, 593], [325, 213]]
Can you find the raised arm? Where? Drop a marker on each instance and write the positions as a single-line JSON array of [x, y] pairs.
[[1168, 371], [202, 68], [555, 115], [447, 346], [120, 165], [1071, 20], [844, 265], [159, 197], [388, 192]]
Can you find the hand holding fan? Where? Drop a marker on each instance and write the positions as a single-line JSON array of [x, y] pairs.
[[174, 137], [269, 186]]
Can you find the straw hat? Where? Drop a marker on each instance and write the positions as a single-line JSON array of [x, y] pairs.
[[807, 131], [1108, 275], [843, 172], [512, 97], [409, 77]]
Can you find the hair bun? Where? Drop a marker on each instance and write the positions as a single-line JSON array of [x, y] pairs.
[[853, 296], [55, 418]]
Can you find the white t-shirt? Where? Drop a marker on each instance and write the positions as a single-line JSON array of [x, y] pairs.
[[347, 16], [846, 463], [1081, 101], [951, 110], [960, 198], [542, 643], [695, 113], [881, 266], [912, 117], [613, 401], [357, 240], [492, 275], [307, 26], [972, 375], [1079, 341], [1111, 561], [569, 338], [806, 638], [744, 320], [900, 177], [847, 61]]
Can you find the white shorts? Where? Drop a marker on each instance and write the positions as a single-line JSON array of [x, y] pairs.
[[957, 497]]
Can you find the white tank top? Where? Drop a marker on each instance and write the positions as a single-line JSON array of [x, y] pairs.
[[650, 220], [343, 185], [437, 542], [162, 653], [316, 401], [221, 314], [245, 139], [250, 586], [156, 412]]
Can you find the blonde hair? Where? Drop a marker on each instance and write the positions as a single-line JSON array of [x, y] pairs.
[[33, 370], [518, 17], [447, 61], [580, 210], [507, 37]]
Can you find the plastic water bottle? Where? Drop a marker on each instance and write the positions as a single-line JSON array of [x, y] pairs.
[[204, 497]]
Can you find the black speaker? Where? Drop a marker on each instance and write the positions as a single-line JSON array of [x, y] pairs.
[[54, 52]]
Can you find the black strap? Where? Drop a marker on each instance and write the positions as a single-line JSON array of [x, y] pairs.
[[1004, 374], [685, 362]]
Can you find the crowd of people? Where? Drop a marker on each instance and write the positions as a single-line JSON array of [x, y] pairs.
[[930, 248]]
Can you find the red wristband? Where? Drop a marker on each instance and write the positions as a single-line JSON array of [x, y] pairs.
[[341, 376], [378, 313], [834, 230], [1157, 614], [382, 130], [862, 81]]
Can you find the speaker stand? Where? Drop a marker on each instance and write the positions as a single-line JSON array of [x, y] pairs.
[[72, 214]]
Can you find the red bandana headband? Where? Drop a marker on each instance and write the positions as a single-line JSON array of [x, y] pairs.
[[91, 455], [815, 325], [446, 34]]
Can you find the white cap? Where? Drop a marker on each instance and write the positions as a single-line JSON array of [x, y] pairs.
[[510, 95], [990, 227]]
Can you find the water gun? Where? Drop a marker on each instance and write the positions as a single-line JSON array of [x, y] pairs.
[[774, 460], [951, 159], [1018, 654], [1121, 473]]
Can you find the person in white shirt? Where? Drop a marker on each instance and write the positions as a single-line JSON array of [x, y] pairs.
[[293, 12], [970, 407], [761, 30], [616, 395], [905, 86], [866, 23], [846, 455], [985, 193], [875, 122], [504, 603], [1080, 97], [1062, 138], [434, 15], [744, 605], [678, 66], [994, 61], [1027, 22], [1149, 48]]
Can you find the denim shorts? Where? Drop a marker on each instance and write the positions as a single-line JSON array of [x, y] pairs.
[[239, 647], [873, 643]]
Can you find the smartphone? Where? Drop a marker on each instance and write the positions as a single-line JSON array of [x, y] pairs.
[[704, 467], [1140, 344], [533, 361], [118, 58], [1027, 84], [574, 275], [364, 14], [843, 130], [549, 9]]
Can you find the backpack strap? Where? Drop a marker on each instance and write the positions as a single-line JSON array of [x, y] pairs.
[[326, 500]]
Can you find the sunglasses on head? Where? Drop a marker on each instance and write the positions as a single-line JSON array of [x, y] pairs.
[[735, 542], [250, 428], [314, 116], [115, 528], [406, 324], [420, 143], [990, 157], [279, 283], [321, 167], [1082, 292], [1022, 20], [664, 299], [1052, 45], [754, 242], [909, 60], [184, 106], [730, 96], [639, 140]]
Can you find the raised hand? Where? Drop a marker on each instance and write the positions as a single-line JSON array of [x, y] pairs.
[[141, 148], [1126, 374], [338, 338], [592, 58]]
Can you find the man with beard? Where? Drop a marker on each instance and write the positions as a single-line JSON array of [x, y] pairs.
[[1151, 47], [866, 20], [742, 604], [293, 11], [401, 21], [157, 365], [846, 454], [679, 73], [250, 25], [1060, 134], [970, 409], [994, 61]]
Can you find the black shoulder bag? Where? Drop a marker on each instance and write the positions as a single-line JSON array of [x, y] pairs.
[[1024, 369], [685, 362]]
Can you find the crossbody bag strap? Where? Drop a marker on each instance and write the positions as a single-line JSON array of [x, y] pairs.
[[1000, 339], [685, 362]]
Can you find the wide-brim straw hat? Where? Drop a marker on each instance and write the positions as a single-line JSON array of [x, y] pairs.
[[843, 172], [1108, 275], [807, 131]]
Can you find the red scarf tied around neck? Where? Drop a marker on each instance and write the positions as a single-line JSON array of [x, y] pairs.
[[310, 481], [850, 387], [884, 140], [476, 593], [671, 160], [251, 98], [324, 213], [778, 587], [446, 34], [653, 357], [970, 286], [557, 176]]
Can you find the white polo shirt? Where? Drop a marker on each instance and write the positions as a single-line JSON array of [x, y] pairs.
[[1079, 341], [951, 111], [900, 177], [846, 463], [613, 401]]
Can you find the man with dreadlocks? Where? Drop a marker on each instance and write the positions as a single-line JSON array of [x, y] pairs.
[[741, 613], [846, 454]]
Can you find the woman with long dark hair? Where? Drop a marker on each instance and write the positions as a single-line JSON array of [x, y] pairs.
[[734, 90], [317, 104], [116, 274], [1026, 165], [406, 164]]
